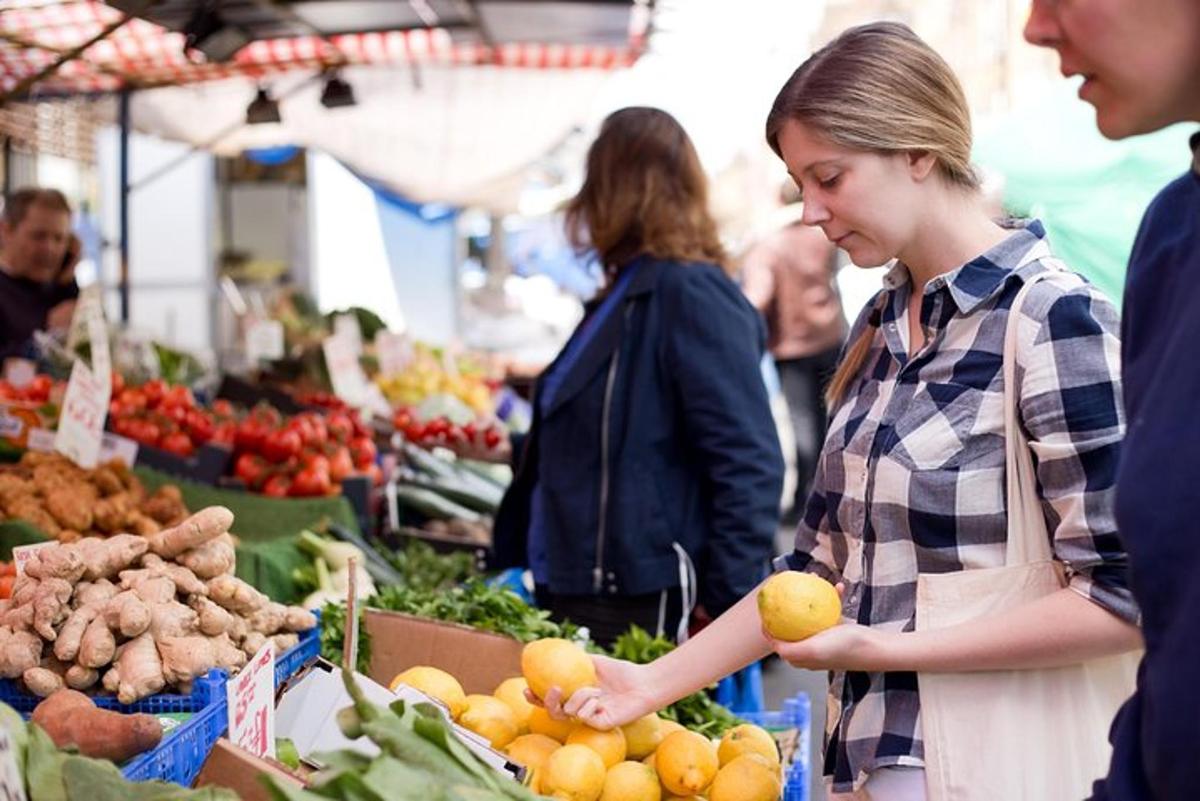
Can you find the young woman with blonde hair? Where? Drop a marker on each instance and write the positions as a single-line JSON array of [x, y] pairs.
[[963, 498]]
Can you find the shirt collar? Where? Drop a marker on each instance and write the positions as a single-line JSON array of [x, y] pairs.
[[979, 279]]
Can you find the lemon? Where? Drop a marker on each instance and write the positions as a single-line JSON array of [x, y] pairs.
[[642, 736], [512, 692], [610, 745], [631, 781], [532, 751], [747, 739], [435, 683], [554, 662], [490, 718], [669, 727], [796, 605], [749, 777], [686, 763], [573, 773], [540, 722]]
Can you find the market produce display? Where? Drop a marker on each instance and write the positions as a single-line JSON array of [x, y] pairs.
[[306, 455], [168, 417], [67, 502], [52, 774], [38, 390], [649, 759], [136, 614], [433, 372]]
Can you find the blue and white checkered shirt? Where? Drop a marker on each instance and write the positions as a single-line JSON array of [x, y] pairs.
[[911, 478]]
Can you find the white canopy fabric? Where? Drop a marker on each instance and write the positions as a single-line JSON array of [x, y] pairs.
[[462, 135]]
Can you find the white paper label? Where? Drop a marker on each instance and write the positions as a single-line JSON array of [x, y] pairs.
[[23, 553], [89, 320], [395, 352], [349, 381], [264, 340], [12, 784], [10, 426], [346, 325], [81, 422], [114, 446], [251, 696], [40, 440]]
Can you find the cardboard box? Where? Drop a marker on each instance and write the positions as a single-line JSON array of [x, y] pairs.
[[234, 769], [479, 660]]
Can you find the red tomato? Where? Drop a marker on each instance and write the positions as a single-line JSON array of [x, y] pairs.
[[39, 388], [144, 432], [311, 482], [317, 462], [277, 486], [340, 464], [251, 469], [491, 438], [199, 426], [250, 435], [363, 452], [118, 383], [267, 412], [178, 395], [340, 428], [177, 443], [222, 408], [154, 391], [134, 398], [402, 419], [281, 444], [224, 434]]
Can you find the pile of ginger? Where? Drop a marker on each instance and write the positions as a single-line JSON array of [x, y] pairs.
[[68, 502], [136, 614]]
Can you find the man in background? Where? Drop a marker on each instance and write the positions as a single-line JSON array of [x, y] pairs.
[[789, 276], [37, 268]]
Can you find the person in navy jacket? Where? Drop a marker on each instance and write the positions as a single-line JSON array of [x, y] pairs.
[[1140, 60], [648, 486]]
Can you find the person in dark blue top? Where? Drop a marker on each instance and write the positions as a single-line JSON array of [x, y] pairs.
[[1141, 64], [648, 487]]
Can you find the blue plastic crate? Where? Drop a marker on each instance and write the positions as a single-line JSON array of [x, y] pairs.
[[743, 691], [290, 662], [182, 752], [796, 714], [206, 690]]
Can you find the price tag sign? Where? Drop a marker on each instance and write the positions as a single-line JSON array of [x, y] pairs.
[[12, 784], [346, 325], [251, 696], [19, 372], [23, 553], [349, 381], [123, 449], [264, 340], [88, 321], [395, 352], [81, 422]]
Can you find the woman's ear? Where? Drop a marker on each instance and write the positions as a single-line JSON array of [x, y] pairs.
[[921, 164]]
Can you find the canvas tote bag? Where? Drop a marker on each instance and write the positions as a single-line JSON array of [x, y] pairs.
[[1014, 735]]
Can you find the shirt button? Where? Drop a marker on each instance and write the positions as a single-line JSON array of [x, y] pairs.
[[612, 576]]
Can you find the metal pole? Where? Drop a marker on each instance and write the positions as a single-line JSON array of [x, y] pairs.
[[123, 207], [8, 168]]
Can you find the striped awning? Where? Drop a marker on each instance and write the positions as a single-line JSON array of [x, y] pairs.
[[139, 54]]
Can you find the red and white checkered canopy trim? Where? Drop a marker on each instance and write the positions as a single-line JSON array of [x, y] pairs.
[[140, 53]]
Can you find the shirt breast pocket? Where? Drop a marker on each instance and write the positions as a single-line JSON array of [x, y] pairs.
[[950, 426]]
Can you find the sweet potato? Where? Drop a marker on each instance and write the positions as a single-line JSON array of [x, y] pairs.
[[71, 719]]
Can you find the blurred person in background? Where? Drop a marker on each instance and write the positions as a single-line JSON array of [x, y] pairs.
[[38, 254], [647, 489], [788, 275], [1140, 60]]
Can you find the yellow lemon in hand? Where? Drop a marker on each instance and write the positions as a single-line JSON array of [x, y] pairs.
[[794, 605], [554, 662]]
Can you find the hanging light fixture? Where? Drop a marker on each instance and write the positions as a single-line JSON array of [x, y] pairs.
[[262, 109], [337, 93]]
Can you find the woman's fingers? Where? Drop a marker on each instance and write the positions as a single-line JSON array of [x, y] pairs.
[[553, 703], [579, 700]]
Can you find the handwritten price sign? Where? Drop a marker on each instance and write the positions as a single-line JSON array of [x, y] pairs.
[[81, 422], [349, 381], [395, 352], [251, 696]]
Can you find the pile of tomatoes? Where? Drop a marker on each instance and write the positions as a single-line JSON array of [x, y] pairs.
[[443, 431], [36, 391], [306, 455], [163, 416]]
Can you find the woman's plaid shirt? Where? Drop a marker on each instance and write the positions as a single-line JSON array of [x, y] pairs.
[[911, 477]]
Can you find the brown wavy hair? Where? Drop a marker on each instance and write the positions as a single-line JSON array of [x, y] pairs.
[[879, 88], [644, 193]]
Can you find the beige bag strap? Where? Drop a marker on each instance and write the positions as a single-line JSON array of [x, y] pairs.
[[1028, 538]]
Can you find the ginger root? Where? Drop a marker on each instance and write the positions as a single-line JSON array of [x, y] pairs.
[[236, 595], [140, 670], [80, 678], [56, 561], [172, 619], [51, 605], [185, 658], [213, 618], [210, 559], [198, 529], [70, 636], [42, 681], [19, 651], [98, 646], [105, 558], [127, 613]]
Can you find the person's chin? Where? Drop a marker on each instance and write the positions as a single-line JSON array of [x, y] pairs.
[[1121, 120]]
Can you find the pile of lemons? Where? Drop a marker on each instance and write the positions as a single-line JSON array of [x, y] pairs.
[[651, 759]]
